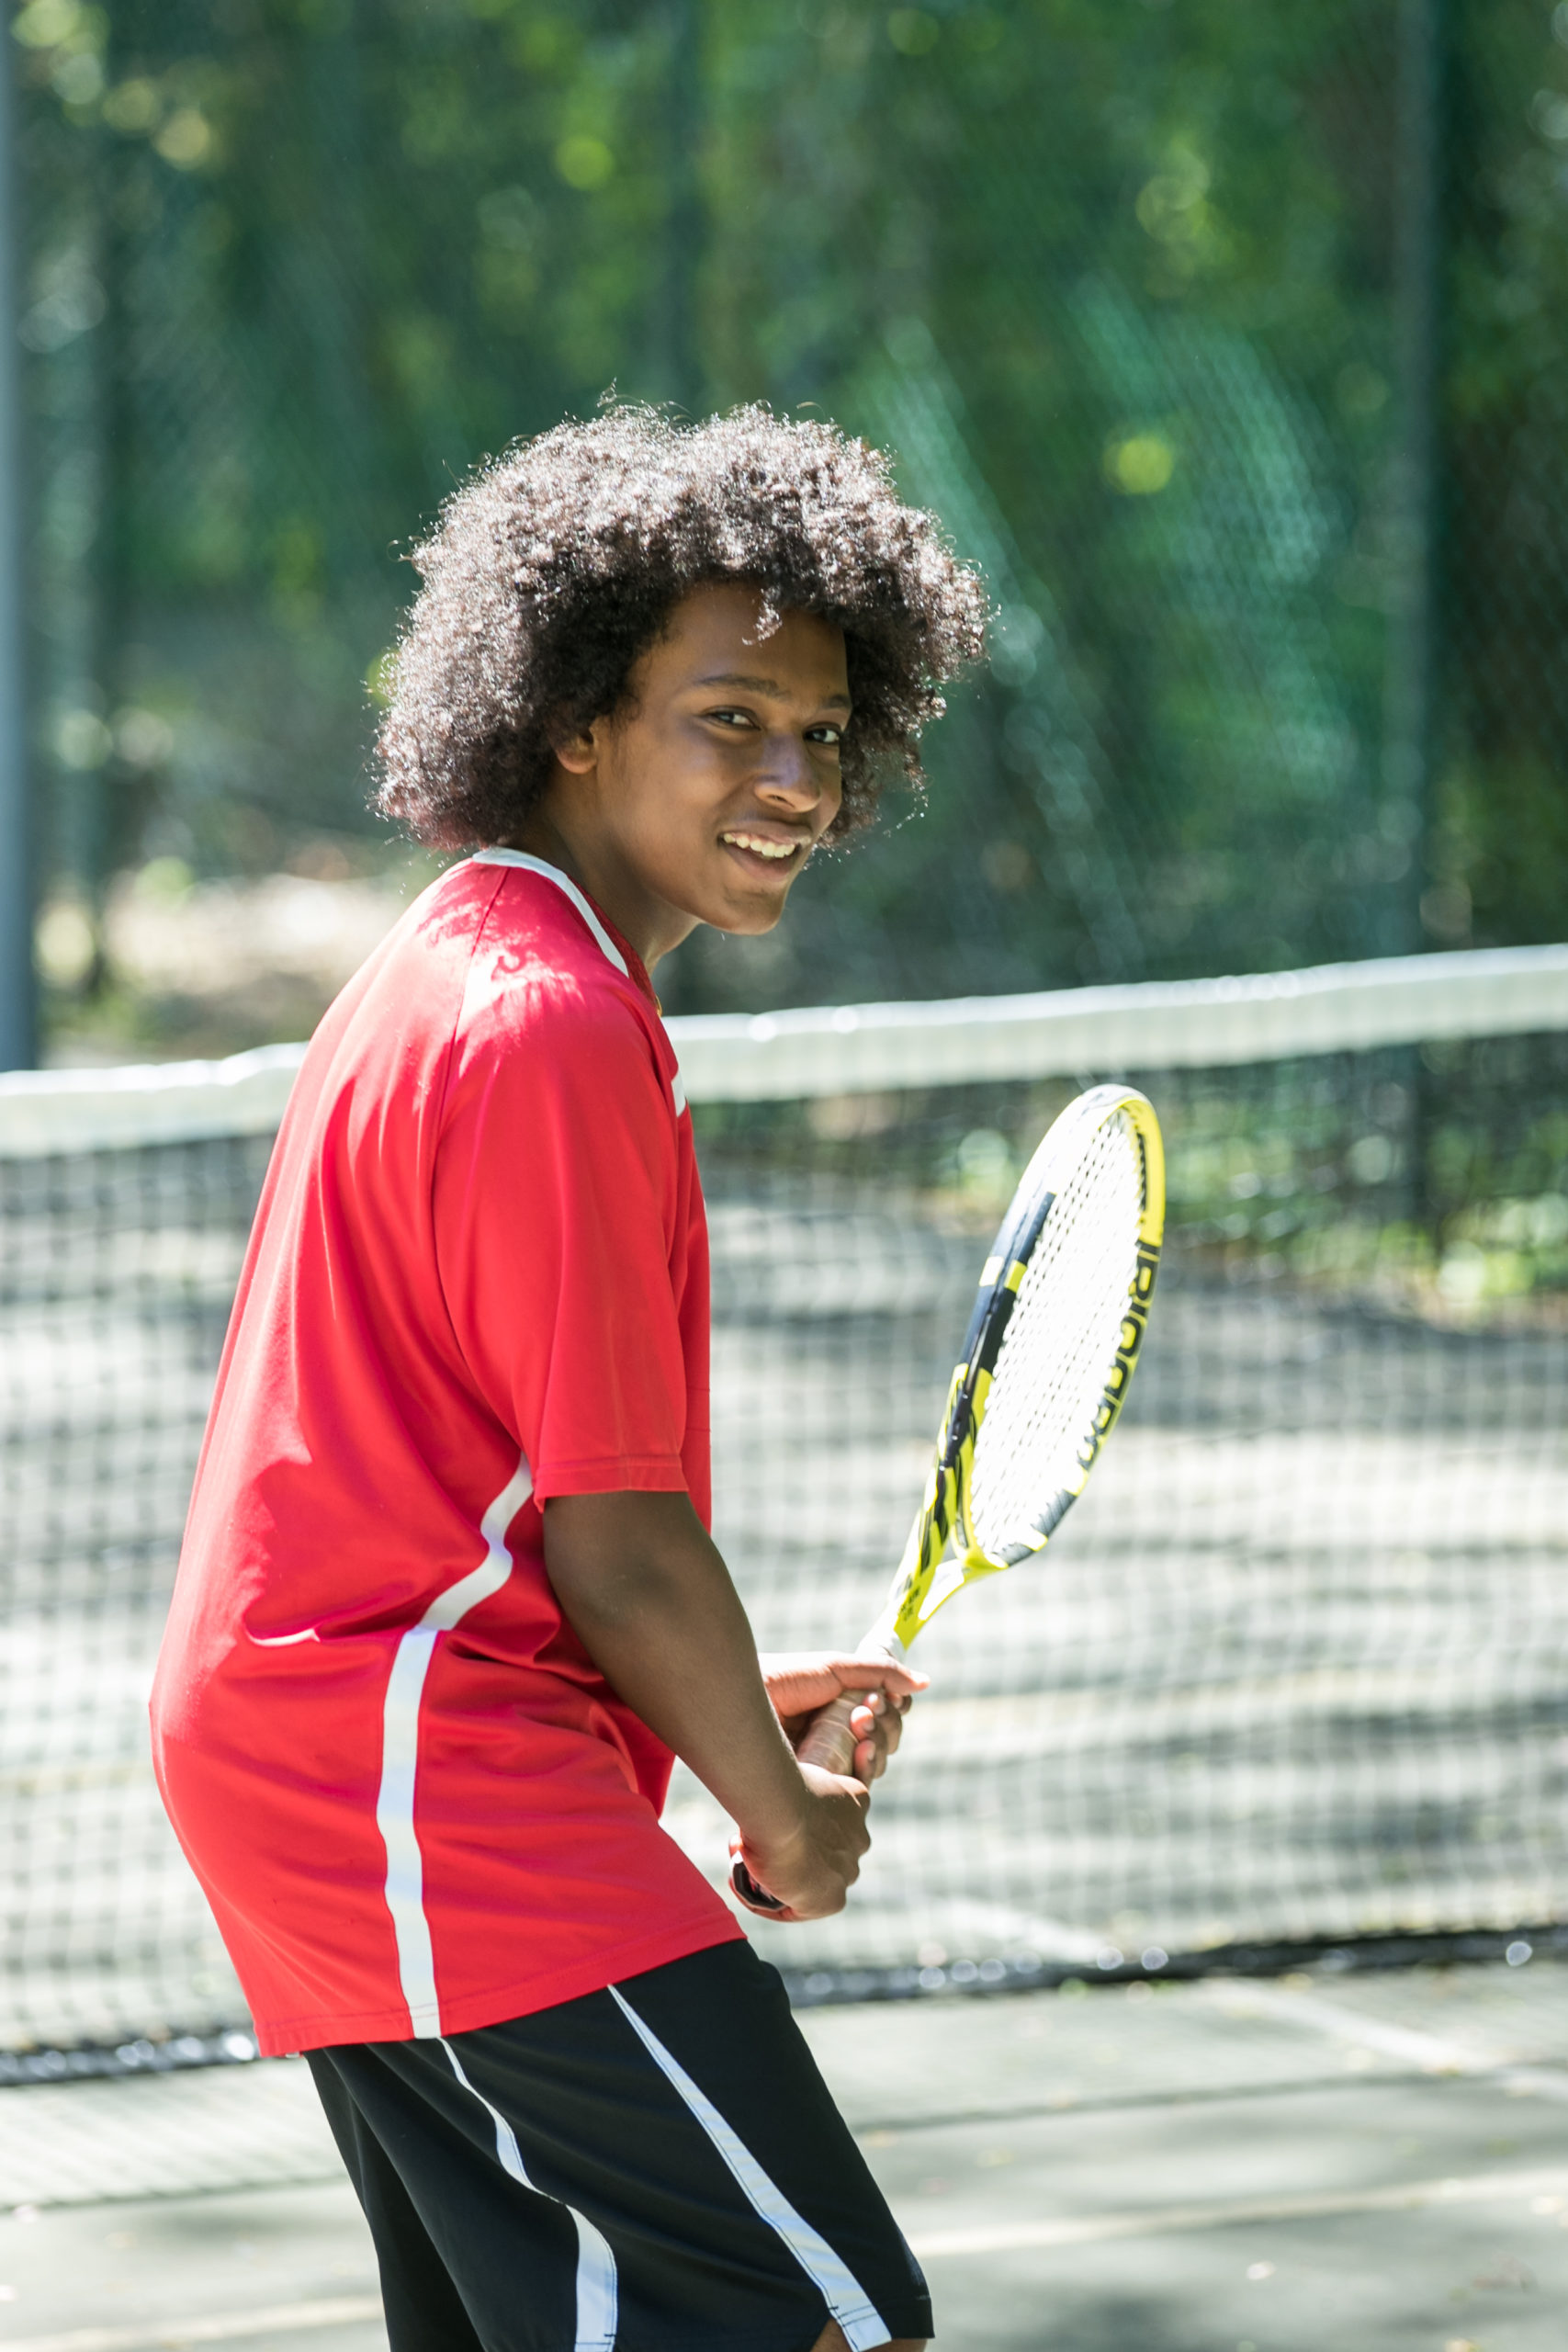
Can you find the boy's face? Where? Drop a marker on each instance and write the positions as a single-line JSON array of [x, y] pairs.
[[702, 799]]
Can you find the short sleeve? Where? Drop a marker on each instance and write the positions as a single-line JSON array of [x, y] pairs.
[[555, 1204]]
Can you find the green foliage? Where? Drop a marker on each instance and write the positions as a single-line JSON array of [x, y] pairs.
[[1116, 280]]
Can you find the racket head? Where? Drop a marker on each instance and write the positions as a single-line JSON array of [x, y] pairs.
[[1054, 1335], [1055, 1354]]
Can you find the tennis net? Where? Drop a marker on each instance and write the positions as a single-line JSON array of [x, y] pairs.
[[1294, 1676]]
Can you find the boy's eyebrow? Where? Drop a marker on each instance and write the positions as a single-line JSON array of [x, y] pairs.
[[766, 686]]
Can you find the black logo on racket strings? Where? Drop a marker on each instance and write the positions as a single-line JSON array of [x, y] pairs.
[[1134, 1323], [950, 1474]]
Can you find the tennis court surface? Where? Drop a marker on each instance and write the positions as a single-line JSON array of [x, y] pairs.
[[1371, 2161]]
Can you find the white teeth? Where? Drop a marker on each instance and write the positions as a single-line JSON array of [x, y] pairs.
[[763, 849]]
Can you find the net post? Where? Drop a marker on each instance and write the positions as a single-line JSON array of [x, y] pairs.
[[18, 1010]]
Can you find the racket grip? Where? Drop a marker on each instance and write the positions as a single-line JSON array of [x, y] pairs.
[[828, 1742]]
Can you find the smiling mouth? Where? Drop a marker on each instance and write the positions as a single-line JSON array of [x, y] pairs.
[[758, 845]]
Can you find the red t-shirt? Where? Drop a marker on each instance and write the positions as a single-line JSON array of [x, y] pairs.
[[478, 1278]]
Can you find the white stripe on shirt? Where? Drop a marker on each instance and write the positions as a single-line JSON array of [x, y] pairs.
[[497, 855], [399, 1752]]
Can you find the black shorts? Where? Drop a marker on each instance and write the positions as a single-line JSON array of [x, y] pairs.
[[657, 2167]]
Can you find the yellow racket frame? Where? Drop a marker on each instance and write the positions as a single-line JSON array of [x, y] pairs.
[[926, 1577]]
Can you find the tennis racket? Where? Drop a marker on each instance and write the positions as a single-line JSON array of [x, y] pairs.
[[1063, 1302]]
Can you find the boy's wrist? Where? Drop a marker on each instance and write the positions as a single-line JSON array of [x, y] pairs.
[[778, 1819]]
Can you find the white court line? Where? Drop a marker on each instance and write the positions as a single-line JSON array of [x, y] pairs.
[[1156, 2220], [1426, 2051], [220, 2328]]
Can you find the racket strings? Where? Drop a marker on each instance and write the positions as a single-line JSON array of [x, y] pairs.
[[1060, 1344]]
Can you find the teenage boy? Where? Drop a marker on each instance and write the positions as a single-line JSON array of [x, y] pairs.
[[447, 1606]]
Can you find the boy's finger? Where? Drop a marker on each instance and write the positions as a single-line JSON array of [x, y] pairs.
[[879, 1719], [880, 1674], [856, 1789]]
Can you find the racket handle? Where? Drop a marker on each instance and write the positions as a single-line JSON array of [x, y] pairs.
[[829, 1744]]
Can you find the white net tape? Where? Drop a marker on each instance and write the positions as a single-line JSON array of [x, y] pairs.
[[1060, 1343], [818, 1050]]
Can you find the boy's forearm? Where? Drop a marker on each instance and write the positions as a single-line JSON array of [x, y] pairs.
[[649, 1598]]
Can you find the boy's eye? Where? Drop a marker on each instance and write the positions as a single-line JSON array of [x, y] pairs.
[[826, 732]]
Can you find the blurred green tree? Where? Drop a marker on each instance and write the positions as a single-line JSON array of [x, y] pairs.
[[1116, 282]]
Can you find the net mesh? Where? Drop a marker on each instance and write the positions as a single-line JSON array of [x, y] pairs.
[[117, 1271], [1296, 1665], [1060, 1344]]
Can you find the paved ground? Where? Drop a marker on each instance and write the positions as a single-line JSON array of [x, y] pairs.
[[1352, 2165]]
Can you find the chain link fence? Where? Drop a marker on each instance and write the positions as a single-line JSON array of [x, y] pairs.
[[1230, 342]]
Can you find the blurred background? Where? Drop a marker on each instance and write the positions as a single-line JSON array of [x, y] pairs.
[[1233, 343]]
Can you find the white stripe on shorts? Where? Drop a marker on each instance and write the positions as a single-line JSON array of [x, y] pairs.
[[846, 2299], [596, 2286]]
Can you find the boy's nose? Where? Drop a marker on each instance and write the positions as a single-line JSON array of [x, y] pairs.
[[788, 774]]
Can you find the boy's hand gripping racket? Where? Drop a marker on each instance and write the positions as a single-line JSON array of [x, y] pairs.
[[1052, 1343]]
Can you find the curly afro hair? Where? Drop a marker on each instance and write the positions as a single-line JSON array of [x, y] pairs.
[[558, 566]]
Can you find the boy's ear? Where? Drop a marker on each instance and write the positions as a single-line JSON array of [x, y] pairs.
[[572, 742]]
